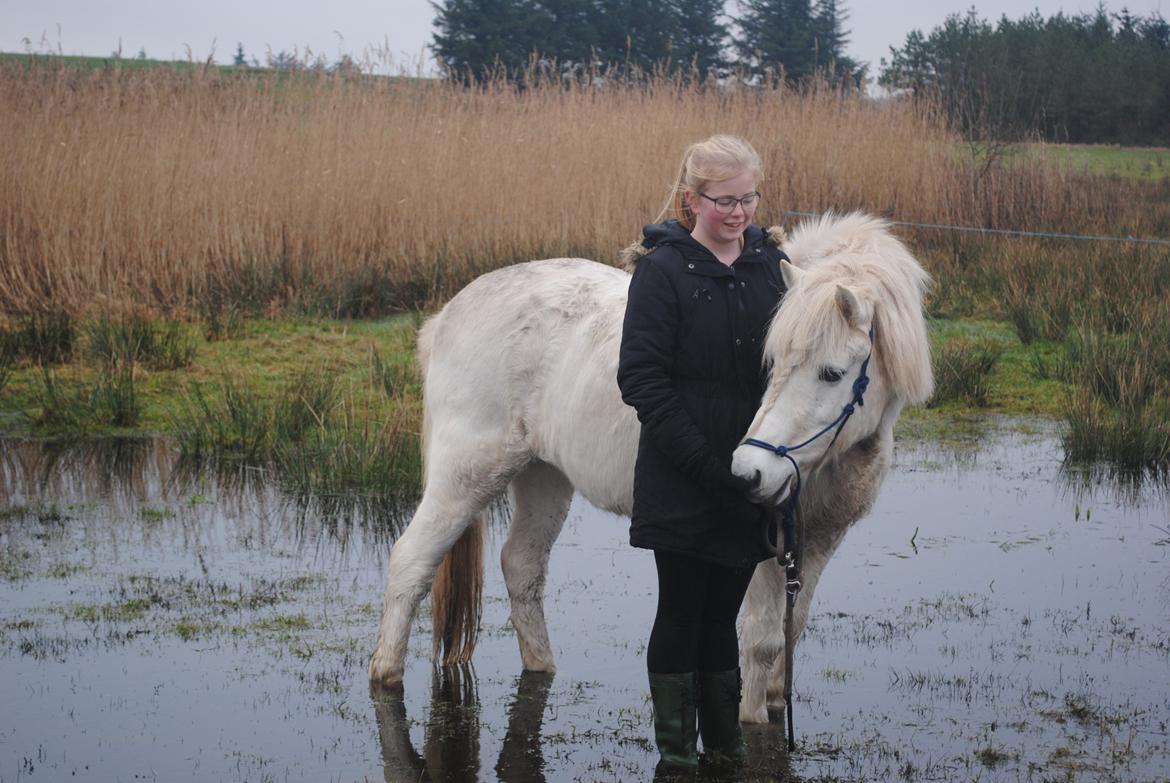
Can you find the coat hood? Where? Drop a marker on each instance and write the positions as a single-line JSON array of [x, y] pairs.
[[673, 233]]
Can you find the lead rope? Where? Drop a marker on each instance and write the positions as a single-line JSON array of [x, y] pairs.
[[793, 554], [789, 558]]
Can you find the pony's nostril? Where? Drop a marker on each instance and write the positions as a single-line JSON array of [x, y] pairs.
[[757, 477]]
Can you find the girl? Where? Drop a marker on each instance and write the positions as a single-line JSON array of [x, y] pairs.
[[705, 284]]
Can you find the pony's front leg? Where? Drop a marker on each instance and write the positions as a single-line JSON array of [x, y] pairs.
[[762, 639], [810, 573], [540, 502], [439, 521]]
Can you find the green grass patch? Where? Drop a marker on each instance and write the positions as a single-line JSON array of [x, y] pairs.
[[124, 611], [1150, 164], [15, 564], [113, 62], [66, 570], [282, 624], [189, 630], [263, 354]]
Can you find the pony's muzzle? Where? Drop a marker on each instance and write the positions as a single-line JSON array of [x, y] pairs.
[[771, 475]]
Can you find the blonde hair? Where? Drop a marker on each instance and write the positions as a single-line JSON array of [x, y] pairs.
[[715, 159]]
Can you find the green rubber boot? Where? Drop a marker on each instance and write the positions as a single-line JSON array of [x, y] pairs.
[[719, 694], [673, 697]]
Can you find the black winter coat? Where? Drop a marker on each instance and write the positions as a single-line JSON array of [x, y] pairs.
[[690, 365]]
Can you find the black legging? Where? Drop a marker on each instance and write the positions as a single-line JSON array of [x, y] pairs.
[[694, 629]]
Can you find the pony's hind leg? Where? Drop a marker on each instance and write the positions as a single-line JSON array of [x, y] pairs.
[[450, 504], [540, 502]]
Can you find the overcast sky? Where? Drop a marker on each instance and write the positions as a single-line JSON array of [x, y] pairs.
[[165, 29]]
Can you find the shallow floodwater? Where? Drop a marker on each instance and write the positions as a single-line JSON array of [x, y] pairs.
[[991, 619]]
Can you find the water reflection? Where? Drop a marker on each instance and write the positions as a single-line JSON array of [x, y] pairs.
[[451, 746], [105, 467], [979, 612], [1126, 488], [125, 472]]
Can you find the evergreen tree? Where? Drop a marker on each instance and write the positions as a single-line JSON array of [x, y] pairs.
[[776, 37], [636, 35], [240, 60], [829, 41], [1088, 78], [701, 36], [475, 37], [797, 38], [567, 31]]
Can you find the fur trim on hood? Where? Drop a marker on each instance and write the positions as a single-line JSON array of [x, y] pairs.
[[629, 257]]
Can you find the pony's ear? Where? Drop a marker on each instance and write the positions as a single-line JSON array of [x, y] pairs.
[[849, 305], [790, 274]]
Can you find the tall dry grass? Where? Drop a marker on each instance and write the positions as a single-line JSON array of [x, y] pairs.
[[353, 195]]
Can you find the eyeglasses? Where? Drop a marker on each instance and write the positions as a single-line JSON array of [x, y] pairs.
[[725, 205]]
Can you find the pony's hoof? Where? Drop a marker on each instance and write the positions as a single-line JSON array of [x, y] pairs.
[[749, 714], [384, 674], [541, 665]]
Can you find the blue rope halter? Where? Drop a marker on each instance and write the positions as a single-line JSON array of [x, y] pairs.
[[859, 387]]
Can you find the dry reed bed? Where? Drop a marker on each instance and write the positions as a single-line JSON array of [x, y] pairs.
[[353, 196]]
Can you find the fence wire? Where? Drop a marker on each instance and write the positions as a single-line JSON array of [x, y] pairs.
[[1002, 231]]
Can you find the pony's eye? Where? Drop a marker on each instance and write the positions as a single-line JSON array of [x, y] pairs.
[[829, 375]]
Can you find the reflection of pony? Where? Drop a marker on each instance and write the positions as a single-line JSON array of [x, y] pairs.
[[520, 394], [451, 749]]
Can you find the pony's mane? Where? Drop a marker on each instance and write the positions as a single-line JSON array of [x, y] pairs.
[[859, 252]]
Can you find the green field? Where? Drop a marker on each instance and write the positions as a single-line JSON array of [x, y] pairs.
[[1150, 164], [266, 355], [129, 63], [270, 355]]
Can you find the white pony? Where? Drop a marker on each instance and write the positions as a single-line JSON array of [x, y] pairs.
[[520, 394]]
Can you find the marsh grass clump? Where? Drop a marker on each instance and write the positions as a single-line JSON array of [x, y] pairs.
[[319, 439], [1121, 411], [110, 400], [159, 344], [395, 376], [991, 757], [1112, 366], [306, 404], [222, 320], [46, 337], [354, 456], [1131, 435], [962, 371], [236, 424], [6, 364]]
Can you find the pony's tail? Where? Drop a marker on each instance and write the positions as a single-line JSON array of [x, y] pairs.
[[457, 598]]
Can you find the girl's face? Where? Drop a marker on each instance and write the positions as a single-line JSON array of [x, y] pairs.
[[715, 226]]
